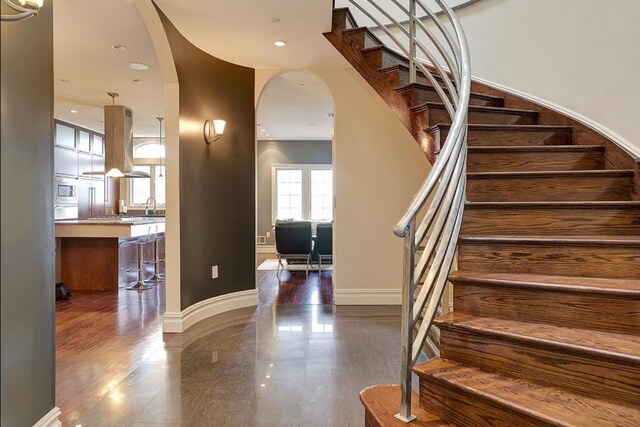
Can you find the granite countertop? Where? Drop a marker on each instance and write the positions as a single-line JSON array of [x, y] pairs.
[[126, 221]]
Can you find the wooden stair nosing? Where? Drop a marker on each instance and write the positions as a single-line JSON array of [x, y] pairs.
[[455, 321], [382, 402], [384, 49], [555, 240], [498, 127], [608, 173], [540, 405], [623, 288], [474, 108], [623, 204], [534, 148]]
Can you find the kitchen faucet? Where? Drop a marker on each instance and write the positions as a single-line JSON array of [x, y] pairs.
[[146, 206]]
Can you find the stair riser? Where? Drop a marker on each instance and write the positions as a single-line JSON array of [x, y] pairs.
[[421, 95], [467, 409], [575, 259], [439, 115], [551, 222], [569, 188], [340, 22], [483, 137], [380, 59], [544, 364], [358, 40], [585, 310], [514, 161]]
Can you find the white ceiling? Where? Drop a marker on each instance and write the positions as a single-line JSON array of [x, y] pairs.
[[287, 111], [242, 31], [84, 32]]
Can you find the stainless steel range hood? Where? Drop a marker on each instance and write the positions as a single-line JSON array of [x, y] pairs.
[[118, 150]]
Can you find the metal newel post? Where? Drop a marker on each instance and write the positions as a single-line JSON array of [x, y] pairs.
[[406, 338], [412, 41]]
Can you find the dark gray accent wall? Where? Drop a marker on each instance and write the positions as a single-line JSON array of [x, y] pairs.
[[217, 181], [26, 176], [281, 153]]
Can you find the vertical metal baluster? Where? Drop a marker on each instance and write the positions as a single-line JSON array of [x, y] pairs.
[[412, 41], [406, 338]]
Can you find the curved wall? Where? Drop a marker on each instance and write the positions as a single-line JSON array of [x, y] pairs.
[[579, 54]]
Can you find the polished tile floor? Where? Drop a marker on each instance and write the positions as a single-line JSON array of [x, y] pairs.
[[274, 365]]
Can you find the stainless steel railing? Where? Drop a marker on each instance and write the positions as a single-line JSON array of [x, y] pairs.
[[431, 224]]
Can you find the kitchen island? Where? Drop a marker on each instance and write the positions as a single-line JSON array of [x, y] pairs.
[[92, 255]]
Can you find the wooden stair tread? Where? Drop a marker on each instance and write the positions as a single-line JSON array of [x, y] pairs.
[[560, 240], [534, 148], [616, 347], [382, 402], [479, 108], [621, 287], [489, 126], [548, 405], [423, 86], [527, 174], [365, 30], [630, 204]]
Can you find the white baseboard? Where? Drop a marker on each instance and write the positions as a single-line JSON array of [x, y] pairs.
[[368, 297], [51, 419], [266, 249], [181, 321]]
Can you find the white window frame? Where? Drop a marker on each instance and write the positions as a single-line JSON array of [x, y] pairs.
[[306, 187], [152, 163]]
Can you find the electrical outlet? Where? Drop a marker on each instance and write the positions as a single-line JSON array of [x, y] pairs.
[[268, 234], [214, 272]]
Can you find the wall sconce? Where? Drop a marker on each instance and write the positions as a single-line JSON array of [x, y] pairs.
[[27, 9], [213, 130]]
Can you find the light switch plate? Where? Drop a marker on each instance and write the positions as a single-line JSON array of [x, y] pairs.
[[214, 272], [268, 234]]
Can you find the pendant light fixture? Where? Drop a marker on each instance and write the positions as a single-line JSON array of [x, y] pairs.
[[160, 119], [114, 172], [26, 9]]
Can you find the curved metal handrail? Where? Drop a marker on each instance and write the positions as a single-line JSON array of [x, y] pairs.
[[439, 202]]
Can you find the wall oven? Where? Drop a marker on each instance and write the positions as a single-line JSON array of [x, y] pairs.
[[65, 197]]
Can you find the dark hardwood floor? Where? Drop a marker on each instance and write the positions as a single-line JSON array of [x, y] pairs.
[[294, 287]]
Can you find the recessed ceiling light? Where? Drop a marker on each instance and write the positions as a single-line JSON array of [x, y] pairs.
[[312, 124], [280, 43], [137, 66], [119, 47], [275, 20], [270, 139], [73, 111], [63, 80], [262, 130], [136, 80], [266, 134], [300, 85]]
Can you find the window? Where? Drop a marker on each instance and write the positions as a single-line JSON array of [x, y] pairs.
[[302, 192], [147, 157]]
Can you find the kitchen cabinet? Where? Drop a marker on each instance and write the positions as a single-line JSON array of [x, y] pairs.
[[84, 163], [90, 197], [97, 165], [65, 136], [65, 161], [97, 147], [84, 141]]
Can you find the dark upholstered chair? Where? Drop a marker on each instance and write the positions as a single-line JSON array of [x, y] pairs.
[[324, 243], [293, 241]]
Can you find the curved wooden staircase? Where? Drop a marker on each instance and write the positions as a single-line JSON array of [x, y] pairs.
[[546, 328]]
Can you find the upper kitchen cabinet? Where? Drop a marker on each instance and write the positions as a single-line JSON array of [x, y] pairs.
[[84, 141], [65, 161], [98, 145], [65, 136]]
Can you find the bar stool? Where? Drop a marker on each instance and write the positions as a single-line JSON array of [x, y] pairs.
[[157, 276], [140, 283]]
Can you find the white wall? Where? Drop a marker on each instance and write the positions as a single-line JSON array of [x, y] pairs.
[[581, 55], [378, 166]]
